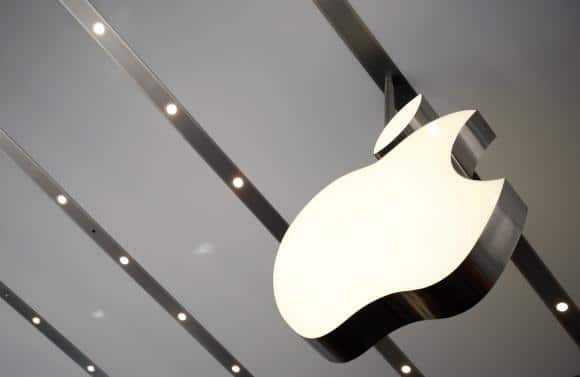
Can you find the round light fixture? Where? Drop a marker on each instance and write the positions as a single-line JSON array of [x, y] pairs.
[[561, 307], [36, 320], [124, 261], [98, 28], [238, 182], [236, 368], [62, 200], [182, 317], [90, 368], [406, 369], [171, 109]]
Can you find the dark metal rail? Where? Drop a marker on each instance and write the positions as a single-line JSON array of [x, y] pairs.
[[112, 248], [90, 19], [50, 332]]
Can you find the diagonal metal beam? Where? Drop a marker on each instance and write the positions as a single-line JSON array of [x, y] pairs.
[[114, 250], [50, 332], [359, 39], [547, 287], [190, 129], [395, 356], [365, 47], [183, 121]]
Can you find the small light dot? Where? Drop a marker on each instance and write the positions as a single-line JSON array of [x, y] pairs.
[[561, 307], [98, 28], [181, 316], [124, 261], [62, 200], [36, 320], [236, 368], [90, 368], [171, 109], [238, 182], [406, 369]]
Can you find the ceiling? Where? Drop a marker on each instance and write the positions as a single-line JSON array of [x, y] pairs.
[[276, 88]]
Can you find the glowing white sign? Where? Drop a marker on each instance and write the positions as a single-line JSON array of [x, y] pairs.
[[402, 224]]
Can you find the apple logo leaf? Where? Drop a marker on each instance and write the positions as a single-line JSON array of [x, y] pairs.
[[396, 126]]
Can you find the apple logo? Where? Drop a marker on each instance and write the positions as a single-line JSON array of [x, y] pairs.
[[404, 239]]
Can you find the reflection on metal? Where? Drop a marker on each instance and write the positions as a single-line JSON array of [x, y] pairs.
[[390, 108], [177, 114], [112, 248], [50, 332], [356, 35]]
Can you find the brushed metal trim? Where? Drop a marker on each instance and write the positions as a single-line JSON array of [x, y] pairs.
[[114, 250], [49, 331]]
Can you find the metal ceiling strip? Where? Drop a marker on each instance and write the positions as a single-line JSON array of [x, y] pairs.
[[547, 287], [50, 332], [112, 248], [395, 356], [189, 128], [183, 121], [365, 47], [362, 43]]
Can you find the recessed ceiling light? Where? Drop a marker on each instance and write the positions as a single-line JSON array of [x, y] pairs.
[[171, 109], [561, 307], [90, 368], [61, 199], [238, 182], [36, 320], [182, 317], [406, 369], [98, 28], [236, 368], [124, 261]]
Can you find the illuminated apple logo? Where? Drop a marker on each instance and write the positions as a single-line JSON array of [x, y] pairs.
[[404, 239]]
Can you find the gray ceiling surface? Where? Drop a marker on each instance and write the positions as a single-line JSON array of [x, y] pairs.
[[276, 88]]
